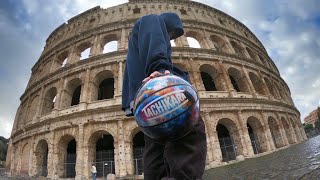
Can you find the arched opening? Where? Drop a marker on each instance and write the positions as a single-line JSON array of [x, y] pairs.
[[208, 82], [238, 49], [101, 153], [251, 54], [238, 82], [257, 83], [287, 130], [67, 156], [103, 86], [110, 47], [193, 43], [219, 43], [211, 78], [49, 100], [173, 43], [25, 156], [63, 59], [72, 93], [32, 110], [76, 96], [257, 135], [41, 155], [270, 87], [106, 89], [138, 145], [229, 140], [275, 132]]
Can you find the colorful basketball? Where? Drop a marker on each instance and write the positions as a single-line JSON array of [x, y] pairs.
[[166, 107]]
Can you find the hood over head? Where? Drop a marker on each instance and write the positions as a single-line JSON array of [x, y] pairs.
[[173, 24]]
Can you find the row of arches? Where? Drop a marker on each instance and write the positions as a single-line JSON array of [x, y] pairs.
[[109, 43], [104, 86], [230, 137]]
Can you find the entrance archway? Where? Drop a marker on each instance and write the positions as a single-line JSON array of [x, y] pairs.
[[275, 132], [257, 135], [101, 153], [41, 155], [67, 156], [138, 145], [287, 130]]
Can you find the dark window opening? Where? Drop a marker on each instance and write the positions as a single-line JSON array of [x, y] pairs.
[[182, 11], [106, 89], [136, 10], [138, 145], [105, 156], [234, 84], [76, 96], [228, 148], [71, 159], [208, 82]]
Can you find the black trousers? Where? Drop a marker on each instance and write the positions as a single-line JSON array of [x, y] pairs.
[[179, 160]]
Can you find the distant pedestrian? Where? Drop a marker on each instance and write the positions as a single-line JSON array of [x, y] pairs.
[[94, 172]]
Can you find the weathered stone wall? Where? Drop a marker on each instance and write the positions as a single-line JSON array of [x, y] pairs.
[[249, 90]]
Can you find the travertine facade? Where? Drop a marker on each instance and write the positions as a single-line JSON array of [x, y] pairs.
[[70, 111]]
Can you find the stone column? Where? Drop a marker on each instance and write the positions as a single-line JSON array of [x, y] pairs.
[[229, 45], [54, 63], [227, 80], [96, 48], [282, 131], [122, 43], [265, 86], [217, 154], [74, 56], [244, 136], [80, 153], [208, 41], [121, 161], [210, 137], [182, 41], [60, 89], [118, 92], [51, 156], [40, 105], [31, 157], [85, 94], [248, 80]]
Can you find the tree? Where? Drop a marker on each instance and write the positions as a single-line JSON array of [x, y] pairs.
[[307, 127], [3, 148], [317, 124]]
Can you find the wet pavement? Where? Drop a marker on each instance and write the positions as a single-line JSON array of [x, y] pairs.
[[300, 161]]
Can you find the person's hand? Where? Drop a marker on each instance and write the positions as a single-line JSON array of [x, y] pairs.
[[155, 74]]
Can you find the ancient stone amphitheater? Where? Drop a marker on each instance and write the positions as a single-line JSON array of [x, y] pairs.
[[70, 113]]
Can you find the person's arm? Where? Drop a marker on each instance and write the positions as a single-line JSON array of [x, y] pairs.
[[153, 43]]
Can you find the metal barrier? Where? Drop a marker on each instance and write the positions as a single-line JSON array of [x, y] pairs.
[[228, 149]]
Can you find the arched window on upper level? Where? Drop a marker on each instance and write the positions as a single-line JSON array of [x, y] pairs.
[[257, 83], [103, 86], [110, 43], [238, 49], [84, 50], [219, 43], [72, 93], [195, 40], [270, 87], [263, 60], [237, 81], [251, 54], [63, 59], [32, 109], [49, 100]]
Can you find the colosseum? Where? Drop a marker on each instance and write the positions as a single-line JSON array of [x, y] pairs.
[[70, 113]]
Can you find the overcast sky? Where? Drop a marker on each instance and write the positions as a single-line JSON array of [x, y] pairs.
[[289, 30]]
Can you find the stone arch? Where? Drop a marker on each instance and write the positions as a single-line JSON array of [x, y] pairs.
[[219, 43], [48, 102], [257, 83], [32, 109], [197, 37], [101, 152], [109, 43], [229, 139], [137, 147], [211, 79], [72, 93], [62, 59], [287, 129], [25, 157], [41, 156], [270, 87], [238, 49], [275, 132], [251, 54], [257, 136], [264, 61], [103, 85], [66, 151], [237, 80], [83, 50], [296, 130]]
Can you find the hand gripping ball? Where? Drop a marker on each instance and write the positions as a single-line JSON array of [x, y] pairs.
[[166, 108]]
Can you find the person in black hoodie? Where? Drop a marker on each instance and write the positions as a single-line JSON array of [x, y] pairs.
[[149, 55]]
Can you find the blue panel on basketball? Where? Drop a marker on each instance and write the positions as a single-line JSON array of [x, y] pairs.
[[166, 107]]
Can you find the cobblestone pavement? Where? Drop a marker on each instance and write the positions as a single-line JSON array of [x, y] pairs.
[[301, 161]]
